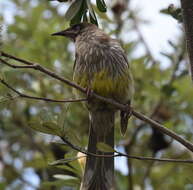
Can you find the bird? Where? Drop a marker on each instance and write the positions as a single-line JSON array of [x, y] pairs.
[[101, 66]]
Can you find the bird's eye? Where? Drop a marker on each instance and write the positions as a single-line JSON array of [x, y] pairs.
[[77, 27]]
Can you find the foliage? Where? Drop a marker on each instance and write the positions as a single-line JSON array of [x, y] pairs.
[[174, 12], [163, 93], [79, 11]]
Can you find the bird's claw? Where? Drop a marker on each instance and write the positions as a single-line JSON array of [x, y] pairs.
[[89, 93], [128, 110]]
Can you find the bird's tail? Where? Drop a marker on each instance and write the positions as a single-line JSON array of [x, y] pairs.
[[99, 171]]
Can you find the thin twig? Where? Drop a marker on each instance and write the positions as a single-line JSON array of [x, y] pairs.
[[39, 98], [17, 66], [118, 154], [138, 115], [154, 159]]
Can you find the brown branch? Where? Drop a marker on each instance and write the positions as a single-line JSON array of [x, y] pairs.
[[39, 98], [187, 11], [164, 130], [138, 115], [155, 159], [17, 66], [118, 154]]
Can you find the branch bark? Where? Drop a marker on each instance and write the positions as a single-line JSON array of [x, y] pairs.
[[187, 11]]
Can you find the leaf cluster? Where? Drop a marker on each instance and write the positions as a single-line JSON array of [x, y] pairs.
[[82, 11]]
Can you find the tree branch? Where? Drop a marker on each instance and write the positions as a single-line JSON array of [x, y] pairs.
[[118, 154], [138, 115], [17, 66], [39, 98], [187, 11], [164, 130]]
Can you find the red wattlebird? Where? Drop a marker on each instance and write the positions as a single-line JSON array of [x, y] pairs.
[[101, 66]]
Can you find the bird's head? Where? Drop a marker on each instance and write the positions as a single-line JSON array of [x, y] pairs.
[[74, 31]]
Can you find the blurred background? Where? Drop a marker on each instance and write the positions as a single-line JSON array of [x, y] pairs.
[[152, 36]]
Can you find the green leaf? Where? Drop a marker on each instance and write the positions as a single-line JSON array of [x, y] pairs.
[[46, 127], [92, 15], [64, 177], [37, 163], [102, 14], [56, 183], [73, 9], [77, 18], [73, 136], [101, 5], [62, 118], [63, 161], [52, 126], [68, 180], [93, 20], [104, 147], [2, 75], [175, 12], [90, 8], [85, 19], [67, 168]]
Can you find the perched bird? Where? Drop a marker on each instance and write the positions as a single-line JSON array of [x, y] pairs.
[[101, 66]]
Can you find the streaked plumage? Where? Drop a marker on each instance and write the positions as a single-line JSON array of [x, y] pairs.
[[102, 65]]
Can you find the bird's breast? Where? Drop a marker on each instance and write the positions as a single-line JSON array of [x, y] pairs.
[[102, 69]]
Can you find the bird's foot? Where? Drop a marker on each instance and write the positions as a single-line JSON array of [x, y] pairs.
[[128, 110], [89, 93]]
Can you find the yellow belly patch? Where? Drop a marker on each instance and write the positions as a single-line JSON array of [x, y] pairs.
[[105, 85]]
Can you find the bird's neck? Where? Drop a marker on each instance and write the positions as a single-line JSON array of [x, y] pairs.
[[94, 41]]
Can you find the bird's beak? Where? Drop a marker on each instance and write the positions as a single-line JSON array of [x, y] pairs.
[[67, 33]]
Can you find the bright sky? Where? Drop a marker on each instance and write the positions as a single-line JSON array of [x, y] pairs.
[[161, 28]]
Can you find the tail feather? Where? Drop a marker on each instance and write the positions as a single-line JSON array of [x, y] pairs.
[[99, 171]]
